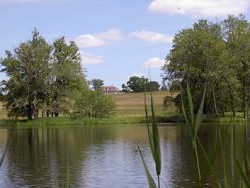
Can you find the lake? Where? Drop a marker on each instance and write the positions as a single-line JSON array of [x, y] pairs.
[[106, 156]]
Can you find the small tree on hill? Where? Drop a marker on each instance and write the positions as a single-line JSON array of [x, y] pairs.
[[153, 86], [137, 84]]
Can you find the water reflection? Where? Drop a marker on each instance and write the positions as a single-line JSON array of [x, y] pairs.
[[98, 156]]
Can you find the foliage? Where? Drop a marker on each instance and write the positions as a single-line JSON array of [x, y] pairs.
[[67, 76], [216, 53], [94, 104], [174, 86], [41, 77], [28, 72], [137, 84], [168, 101], [153, 86], [97, 84], [125, 89]]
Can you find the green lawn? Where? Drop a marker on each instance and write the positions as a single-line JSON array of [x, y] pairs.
[[132, 104]]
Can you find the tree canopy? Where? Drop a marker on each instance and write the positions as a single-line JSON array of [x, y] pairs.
[[45, 78], [216, 54], [97, 84]]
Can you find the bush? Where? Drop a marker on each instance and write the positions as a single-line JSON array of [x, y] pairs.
[[94, 104]]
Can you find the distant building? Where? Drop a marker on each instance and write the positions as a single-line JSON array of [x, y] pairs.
[[110, 90]]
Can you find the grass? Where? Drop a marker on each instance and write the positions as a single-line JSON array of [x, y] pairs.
[[3, 113], [132, 104], [130, 109], [64, 121]]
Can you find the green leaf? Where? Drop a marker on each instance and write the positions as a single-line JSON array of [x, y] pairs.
[[185, 114], [151, 181], [150, 136], [156, 142], [199, 114], [191, 106]]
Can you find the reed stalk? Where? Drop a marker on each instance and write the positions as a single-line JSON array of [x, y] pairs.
[[193, 122], [154, 142]]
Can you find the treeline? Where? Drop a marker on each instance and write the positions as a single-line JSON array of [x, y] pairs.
[[216, 55], [138, 84], [48, 80]]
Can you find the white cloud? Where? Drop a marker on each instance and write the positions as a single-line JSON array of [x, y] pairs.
[[101, 39], [154, 62], [198, 8], [111, 35], [89, 41], [88, 58], [150, 36]]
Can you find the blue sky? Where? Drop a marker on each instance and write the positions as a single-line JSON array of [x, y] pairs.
[[117, 38]]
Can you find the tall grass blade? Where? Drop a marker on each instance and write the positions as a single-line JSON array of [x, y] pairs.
[[199, 114], [188, 122], [156, 141], [193, 123], [191, 105], [243, 174], [153, 135], [151, 181], [150, 134]]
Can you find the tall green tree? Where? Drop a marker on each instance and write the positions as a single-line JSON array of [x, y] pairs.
[[67, 76], [236, 33], [42, 77], [28, 69], [199, 56]]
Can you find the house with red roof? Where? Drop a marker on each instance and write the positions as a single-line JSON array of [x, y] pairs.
[[110, 89]]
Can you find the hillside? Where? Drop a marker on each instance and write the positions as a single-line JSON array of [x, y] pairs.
[[132, 104], [3, 113]]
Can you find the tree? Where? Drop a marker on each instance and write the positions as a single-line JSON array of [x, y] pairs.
[[137, 84], [236, 33], [97, 84], [42, 77], [153, 86], [94, 104], [125, 88], [199, 55], [174, 86], [67, 77], [28, 69]]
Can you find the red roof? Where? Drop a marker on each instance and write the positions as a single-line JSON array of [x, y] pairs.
[[110, 88]]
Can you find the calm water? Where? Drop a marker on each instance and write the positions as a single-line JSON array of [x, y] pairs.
[[100, 156]]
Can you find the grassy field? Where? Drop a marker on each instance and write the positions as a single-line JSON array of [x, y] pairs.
[[130, 109], [131, 105], [3, 113]]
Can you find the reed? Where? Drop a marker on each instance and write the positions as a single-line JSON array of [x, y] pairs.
[[154, 142], [193, 122], [239, 167]]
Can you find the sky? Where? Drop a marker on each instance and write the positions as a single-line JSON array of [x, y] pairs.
[[117, 38]]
